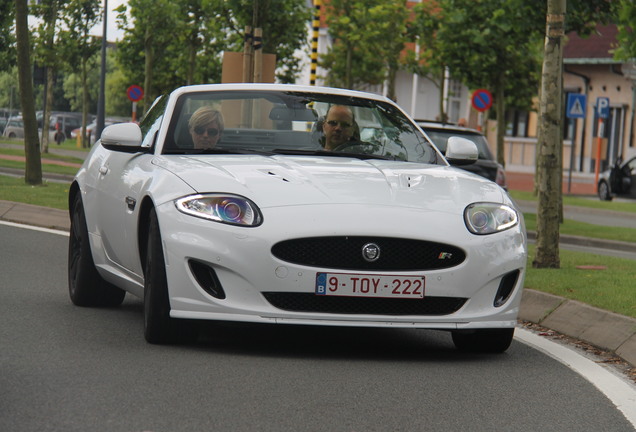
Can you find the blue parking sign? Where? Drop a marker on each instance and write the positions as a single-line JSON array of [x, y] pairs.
[[602, 107], [576, 105]]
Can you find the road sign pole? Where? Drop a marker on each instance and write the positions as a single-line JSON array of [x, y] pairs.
[[134, 112], [597, 165], [572, 147]]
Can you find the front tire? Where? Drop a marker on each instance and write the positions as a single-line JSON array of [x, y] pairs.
[[86, 287], [604, 193], [159, 327], [484, 340]]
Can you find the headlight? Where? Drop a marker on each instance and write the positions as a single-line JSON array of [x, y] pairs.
[[231, 209], [489, 218]]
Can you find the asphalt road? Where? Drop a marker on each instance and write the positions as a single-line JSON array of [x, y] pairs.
[[65, 368]]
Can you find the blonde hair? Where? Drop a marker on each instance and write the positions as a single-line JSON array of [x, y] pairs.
[[206, 115]]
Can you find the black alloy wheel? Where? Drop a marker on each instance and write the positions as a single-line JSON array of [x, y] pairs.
[[85, 285]]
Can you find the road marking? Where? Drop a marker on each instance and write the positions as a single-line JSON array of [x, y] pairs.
[[35, 228], [620, 391]]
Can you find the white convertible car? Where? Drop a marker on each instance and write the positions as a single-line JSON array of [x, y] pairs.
[[284, 204]]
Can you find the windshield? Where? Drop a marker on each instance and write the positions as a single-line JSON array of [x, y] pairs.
[[278, 122]]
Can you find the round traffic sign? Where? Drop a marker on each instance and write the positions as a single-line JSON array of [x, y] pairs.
[[482, 100], [135, 93]]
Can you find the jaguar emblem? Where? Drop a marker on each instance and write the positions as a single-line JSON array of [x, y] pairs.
[[370, 252]]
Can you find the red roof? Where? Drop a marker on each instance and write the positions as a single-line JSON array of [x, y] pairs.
[[596, 46]]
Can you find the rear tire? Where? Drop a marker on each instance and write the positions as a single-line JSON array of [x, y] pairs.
[[86, 287], [484, 340], [604, 193]]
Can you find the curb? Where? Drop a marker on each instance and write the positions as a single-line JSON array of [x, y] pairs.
[[591, 242], [598, 327]]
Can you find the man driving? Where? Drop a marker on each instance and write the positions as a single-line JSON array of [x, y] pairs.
[[339, 126]]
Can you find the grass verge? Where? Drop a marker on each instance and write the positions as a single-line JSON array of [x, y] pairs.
[[578, 201], [576, 228], [53, 195], [610, 289]]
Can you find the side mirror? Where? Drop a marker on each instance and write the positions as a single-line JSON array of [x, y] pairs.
[[461, 151], [125, 137]]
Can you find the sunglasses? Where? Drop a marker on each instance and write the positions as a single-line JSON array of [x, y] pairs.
[[201, 130], [334, 123]]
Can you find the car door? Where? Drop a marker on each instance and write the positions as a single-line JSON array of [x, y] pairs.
[[122, 180]]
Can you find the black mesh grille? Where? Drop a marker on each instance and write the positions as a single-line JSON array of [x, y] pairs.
[[309, 302], [346, 253]]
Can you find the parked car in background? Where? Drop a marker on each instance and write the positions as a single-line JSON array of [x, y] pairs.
[[208, 211], [620, 180], [92, 127], [14, 128], [62, 124], [486, 165], [5, 115]]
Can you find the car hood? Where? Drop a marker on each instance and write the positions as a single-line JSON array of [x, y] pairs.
[[272, 181]]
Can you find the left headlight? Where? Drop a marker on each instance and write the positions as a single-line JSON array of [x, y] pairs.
[[489, 218], [225, 208]]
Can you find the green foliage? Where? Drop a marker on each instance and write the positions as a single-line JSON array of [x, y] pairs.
[[626, 20], [7, 36], [9, 92], [284, 24], [490, 44], [368, 37], [195, 33]]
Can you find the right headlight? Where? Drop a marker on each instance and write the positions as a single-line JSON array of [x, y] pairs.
[[489, 218], [225, 208]]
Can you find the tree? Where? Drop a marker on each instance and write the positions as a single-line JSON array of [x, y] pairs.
[[488, 44], [353, 60], [424, 60], [33, 168], [80, 16], [46, 54], [197, 32], [143, 50], [626, 14], [284, 24], [7, 39], [549, 139]]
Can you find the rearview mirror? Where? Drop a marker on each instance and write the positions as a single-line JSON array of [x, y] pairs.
[[461, 151], [124, 137]]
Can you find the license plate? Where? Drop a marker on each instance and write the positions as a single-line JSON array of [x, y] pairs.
[[369, 285]]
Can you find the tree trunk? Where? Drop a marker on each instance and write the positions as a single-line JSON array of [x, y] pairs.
[[500, 108], [348, 66], [549, 169], [51, 21], [85, 101], [33, 169], [46, 116], [442, 88], [149, 63]]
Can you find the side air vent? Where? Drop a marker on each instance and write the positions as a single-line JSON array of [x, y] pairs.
[[206, 277]]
